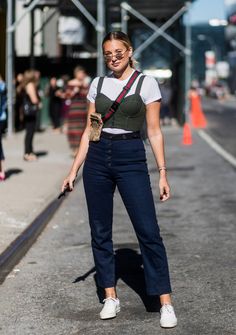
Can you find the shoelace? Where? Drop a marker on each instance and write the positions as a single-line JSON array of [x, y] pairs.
[[168, 307], [110, 298]]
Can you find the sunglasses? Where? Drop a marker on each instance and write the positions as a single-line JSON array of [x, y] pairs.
[[118, 55]]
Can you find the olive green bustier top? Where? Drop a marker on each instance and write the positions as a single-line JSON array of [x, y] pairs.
[[130, 114]]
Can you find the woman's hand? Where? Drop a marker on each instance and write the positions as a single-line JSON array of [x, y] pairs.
[[164, 188], [69, 181], [81, 153]]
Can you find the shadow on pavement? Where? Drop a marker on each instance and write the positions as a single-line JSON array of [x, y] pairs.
[[41, 153], [11, 172], [129, 269]]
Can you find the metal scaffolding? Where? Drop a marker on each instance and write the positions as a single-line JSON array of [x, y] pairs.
[[98, 24], [187, 63], [160, 31]]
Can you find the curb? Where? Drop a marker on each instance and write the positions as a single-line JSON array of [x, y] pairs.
[[19, 247]]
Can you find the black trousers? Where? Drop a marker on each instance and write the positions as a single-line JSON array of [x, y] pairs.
[[2, 126], [30, 127], [55, 114]]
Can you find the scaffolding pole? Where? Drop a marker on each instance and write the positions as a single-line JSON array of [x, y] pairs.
[[32, 24], [100, 36], [187, 75], [85, 12], [9, 68], [124, 20]]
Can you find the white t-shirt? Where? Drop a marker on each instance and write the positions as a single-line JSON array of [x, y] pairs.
[[112, 87]]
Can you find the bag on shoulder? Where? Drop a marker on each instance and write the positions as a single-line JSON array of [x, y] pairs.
[[29, 108]]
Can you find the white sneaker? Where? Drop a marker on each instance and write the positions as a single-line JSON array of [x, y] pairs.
[[168, 317], [110, 309]]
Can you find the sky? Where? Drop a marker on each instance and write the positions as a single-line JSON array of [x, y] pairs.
[[203, 10]]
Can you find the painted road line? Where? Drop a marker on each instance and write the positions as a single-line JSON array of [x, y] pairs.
[[217, 147]]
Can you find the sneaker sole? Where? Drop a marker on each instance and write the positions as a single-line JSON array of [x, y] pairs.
[[111, 316], [163, 325]]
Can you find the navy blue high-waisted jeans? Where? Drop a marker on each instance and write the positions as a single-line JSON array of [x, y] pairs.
[[122, 163]]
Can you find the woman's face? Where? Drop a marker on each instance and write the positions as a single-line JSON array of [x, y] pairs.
[[116, 55], [80, 75], [53, 81]]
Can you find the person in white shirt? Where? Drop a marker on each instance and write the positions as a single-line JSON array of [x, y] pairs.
[[118, 160]]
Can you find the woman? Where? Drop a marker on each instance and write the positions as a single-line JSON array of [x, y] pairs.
[[77, 90], [30, 102], [118, 159], [19, 115], [55, 105], [3, 119]]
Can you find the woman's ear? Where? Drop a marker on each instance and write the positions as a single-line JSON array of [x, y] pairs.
[[130, 52]]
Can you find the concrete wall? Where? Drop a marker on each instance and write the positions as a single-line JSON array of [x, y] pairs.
[[51, 46], [22, 35], [45, 42]]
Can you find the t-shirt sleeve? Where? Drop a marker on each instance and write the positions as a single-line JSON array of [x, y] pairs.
[[92, 93], [150, 90]]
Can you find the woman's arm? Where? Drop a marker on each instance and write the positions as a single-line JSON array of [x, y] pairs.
[[155, 137], [31, 91], [82, 152]]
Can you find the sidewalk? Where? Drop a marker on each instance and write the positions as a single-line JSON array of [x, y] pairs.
[[30, 186]]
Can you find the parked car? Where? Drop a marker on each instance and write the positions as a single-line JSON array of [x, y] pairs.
[[218, 91]]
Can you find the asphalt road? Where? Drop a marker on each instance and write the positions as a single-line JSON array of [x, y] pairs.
[[221, 116], [52, 291]]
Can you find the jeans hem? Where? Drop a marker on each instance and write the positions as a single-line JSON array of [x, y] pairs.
[[159, 292], [106, 285]]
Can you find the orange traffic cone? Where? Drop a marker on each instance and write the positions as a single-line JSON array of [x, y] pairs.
[[198, 118], [187, 135]]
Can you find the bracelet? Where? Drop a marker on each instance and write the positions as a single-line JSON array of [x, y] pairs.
[[162, 168]]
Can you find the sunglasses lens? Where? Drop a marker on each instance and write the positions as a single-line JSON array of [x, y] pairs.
[[118, 56]]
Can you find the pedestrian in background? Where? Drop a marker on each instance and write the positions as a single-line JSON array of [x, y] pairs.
[[77, 90], [19, 115], [166, 93], [118, 159], [31, 108], [62, 84], [39, 93], [3, 119], [55, 104]]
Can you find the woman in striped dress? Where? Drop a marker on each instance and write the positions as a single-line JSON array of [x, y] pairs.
[[77, 90]]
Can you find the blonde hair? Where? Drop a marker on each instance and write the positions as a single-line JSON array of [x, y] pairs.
[[29, 77], [120, 36], [79, 68]]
